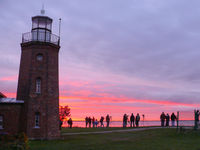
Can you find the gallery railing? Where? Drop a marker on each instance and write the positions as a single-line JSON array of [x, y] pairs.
[[41, 36]]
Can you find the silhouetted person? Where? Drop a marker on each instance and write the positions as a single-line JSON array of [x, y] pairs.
[[70, 122], [173, 119], [86, 121], [61, 122], [101, 121], [107, 120], [137, 119], [196, 119], [167, 120], [125, 119], [96, 123], [162, 119], [93, 120], [90, 121], [132, 119]]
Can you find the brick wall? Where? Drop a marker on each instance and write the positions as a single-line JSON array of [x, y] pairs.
[[46, 103], [11, 117]]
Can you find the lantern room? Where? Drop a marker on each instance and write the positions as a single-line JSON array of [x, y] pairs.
[[41, 28], [41, 22], [41, 31]]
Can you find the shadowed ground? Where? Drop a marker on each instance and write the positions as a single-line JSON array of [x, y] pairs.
[[153, 139]]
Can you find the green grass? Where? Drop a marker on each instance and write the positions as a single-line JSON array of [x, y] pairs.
[[155, 139]]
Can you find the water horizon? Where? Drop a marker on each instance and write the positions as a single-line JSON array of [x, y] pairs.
[[146, 123]]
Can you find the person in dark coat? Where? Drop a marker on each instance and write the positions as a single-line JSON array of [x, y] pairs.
[[70, 122], [86, 121], [173, 119], [132, 119], [93, 120], [125, 119], [107, 120], [137, 119], [167, 120], [162, 119], [61, 122], [196, 119], [90, 121], [101, 121]]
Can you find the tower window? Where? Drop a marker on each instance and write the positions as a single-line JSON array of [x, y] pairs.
[[38, 86], [37, 120], [39, 57], [1, 122]]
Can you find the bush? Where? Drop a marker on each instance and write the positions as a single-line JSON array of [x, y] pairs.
[[14, 142]]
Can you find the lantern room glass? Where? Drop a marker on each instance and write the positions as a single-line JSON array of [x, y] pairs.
[[41, 22], [41, 28]]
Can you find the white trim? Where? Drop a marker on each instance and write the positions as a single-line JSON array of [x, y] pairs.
[[37, 127]]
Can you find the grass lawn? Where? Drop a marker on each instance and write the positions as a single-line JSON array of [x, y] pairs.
[[75, 130], [155, 139]]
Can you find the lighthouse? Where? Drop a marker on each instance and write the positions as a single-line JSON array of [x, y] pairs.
[[38, 80]]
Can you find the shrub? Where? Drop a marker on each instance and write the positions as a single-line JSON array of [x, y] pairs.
[[14, 142]]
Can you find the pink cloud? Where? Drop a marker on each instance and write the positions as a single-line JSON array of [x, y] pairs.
[[9, 78]]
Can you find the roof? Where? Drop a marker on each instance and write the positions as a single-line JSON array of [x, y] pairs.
[[2, 95], [43, 17], [10, 100]]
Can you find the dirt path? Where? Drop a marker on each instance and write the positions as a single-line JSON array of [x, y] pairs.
[[112, 131]]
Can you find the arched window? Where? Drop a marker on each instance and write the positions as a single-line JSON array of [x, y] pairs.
[[37, 120], [39, 57], [38, 86]]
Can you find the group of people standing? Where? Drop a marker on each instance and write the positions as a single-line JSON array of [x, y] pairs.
[[69, 122], [95, 122], [134, 120], [165, 119]]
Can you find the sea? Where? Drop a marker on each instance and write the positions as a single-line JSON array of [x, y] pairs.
[[81, 124]]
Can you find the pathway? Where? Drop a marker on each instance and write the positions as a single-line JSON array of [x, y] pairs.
[[113, 131]]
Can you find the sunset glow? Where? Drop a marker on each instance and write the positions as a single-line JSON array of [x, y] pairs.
[[132, 57]]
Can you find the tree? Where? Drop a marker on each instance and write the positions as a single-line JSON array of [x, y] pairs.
[[64, 112]]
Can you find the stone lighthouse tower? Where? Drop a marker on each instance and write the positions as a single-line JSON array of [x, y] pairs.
[[38, 80]]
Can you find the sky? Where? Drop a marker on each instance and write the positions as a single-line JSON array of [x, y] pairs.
[[116, 56]]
